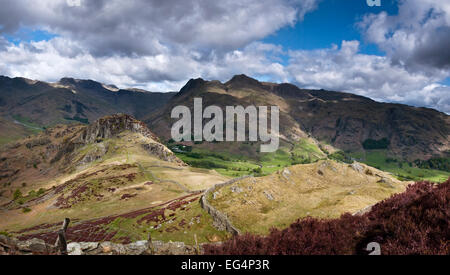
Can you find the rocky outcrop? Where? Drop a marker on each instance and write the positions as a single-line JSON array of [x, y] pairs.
[[363, 211], [95, 154], [37, 142], [357, 167], [221, 221], [111, 126], [10, 246], [162, 152]]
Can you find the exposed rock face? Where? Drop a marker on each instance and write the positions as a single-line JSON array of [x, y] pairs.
[[363, 211], [99, 151], [38, 142], [357, 167], [268, 195], [74, 249], [162, 152], [111, 126]]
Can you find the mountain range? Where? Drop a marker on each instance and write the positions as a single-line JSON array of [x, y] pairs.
[[347, 122], [341, 120], [37, 104]]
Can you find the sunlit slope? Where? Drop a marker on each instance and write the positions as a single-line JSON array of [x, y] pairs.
[[111, 167], [325, 189]]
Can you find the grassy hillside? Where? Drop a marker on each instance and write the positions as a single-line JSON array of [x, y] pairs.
[[11, 130], [120, 180], [411, 223], [325, 189]]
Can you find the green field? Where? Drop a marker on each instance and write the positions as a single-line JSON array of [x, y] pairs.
[[401, 169], [302, 152], [234, 165], [224, 163]]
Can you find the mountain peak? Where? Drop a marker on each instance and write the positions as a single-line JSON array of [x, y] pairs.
[[81, 83], [191, 85], [242, 80], [67, 81]]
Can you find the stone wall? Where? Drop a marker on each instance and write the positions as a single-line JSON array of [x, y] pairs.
[[11, 246], [221, 220]]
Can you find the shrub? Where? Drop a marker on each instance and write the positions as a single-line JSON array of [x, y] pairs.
[[26, 210], [194, 155], [40, 191], [17, 194], [206, 164], [257, 171], [341, 156], [434, 163], [371, 144]]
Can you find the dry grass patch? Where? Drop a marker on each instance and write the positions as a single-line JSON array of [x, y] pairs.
[[325, 189]]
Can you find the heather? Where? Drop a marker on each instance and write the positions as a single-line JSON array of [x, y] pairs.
[[413, 222]]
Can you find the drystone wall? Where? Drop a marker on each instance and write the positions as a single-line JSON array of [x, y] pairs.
[[221, 220]]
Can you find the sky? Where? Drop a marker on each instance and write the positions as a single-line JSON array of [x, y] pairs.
[[397, 52]]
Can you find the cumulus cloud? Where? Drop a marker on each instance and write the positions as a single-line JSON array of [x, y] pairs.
[[418, 37], [344, 68], [148, 27], [59, 57]]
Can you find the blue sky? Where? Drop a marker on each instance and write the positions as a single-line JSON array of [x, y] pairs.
[[25, 35], [332, 22], [394, 53]]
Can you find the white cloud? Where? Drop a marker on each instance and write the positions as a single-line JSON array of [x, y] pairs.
[[418, 37], [147, 27], [345, 69], [159, 49], [50, 61]]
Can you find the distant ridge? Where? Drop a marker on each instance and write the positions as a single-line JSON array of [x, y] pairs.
[[70, 100], [343, 120]]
